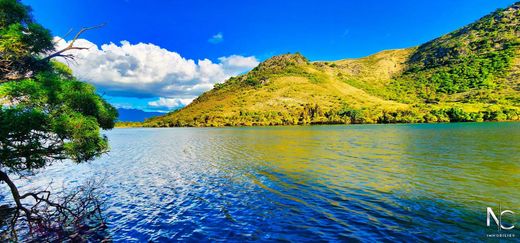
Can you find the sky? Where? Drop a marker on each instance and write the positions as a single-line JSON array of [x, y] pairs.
[[159, 55]]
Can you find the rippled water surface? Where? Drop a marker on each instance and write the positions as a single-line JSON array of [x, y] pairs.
[[361, 182]]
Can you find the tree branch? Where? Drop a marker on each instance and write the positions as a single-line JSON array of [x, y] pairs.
[[71, 44], [77, 215], [64, 36], [10, 74], [16, 197]]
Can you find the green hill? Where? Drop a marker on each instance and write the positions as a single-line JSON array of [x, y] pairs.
[[472, 74]]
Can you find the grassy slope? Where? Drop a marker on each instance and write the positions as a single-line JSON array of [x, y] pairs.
[[285, 95], [422, 84]]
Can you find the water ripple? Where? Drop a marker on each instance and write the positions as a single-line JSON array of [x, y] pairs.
[[326, 183]]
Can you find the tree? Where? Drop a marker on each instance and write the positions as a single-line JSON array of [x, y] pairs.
[[21, 40], [26, 47], [46, 114]]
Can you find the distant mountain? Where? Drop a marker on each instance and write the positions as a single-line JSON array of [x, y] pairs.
[[135, 115], [471, 74]]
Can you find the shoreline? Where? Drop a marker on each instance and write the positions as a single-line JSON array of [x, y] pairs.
[[320, 124]]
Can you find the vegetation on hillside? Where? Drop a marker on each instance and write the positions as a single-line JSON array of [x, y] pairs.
[[478, 56]]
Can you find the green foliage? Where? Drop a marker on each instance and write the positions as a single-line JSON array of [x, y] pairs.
[[218, 86], [50, 116], [12, 12], [128, 124], [313, 114], [354, 115], [470, 58], [470, 72], [21, 40]]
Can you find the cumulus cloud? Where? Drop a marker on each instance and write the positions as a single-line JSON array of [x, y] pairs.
[[147, 70], [169, 103], [217, 38], [237, 64]]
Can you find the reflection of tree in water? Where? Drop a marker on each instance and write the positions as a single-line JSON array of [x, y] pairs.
[[73, 214]]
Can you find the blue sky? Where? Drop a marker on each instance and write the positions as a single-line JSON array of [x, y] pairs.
[[194, 44]]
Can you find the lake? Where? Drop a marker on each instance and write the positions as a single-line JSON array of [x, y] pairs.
[[405, 182]]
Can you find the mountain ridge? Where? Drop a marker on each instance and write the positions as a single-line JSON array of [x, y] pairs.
[[471, 74], [135, 115]]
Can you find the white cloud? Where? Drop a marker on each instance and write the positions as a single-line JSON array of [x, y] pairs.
[[240, 63], [170, 103], [217, 38], [147, 70]]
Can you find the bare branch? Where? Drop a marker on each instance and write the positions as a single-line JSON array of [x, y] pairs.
[[71, 46], [75, 215], [64, 36], [85, 29]]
